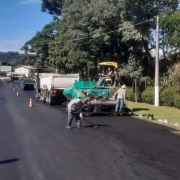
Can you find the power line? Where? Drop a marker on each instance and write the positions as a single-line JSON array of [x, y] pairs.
[[83, 38]]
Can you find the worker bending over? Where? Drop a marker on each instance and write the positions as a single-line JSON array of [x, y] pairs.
[[75, 107]]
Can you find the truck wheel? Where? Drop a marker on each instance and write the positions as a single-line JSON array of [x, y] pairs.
[[50, 101], [47, 99], [42, 98], [37, 96]]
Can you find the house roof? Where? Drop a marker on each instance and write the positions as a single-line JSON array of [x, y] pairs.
[[27, 67]]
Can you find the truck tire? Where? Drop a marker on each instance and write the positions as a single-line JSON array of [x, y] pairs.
[[37, 96], [50, 101], [47, 99], [42, 98]]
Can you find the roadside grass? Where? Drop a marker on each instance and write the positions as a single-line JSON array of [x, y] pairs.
[[160, 113]]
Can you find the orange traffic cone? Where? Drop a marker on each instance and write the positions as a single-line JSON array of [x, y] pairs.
[[17, 94], [30, 103]]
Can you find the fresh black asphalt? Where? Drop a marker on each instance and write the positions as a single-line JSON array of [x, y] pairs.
[[35, 145]]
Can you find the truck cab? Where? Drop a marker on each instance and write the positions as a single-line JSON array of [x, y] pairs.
[[27, 84]]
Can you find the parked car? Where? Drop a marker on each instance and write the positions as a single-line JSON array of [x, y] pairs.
[[2, 79], [27, 84]]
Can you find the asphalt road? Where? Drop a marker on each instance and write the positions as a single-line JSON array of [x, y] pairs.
[[35, 145]]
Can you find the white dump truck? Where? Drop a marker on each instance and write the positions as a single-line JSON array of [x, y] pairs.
[[50, 87]]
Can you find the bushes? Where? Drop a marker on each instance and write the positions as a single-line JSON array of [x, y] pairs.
[[130, 95], [147, 95], [177, 101], [169, 96]]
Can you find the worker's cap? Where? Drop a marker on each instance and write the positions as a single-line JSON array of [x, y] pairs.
[[123, 86]]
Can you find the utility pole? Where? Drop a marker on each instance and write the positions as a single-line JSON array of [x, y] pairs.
[[156, 100], [135, 90], [88, 71]]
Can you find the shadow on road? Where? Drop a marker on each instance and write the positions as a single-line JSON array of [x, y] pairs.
[[98, 125], [9, 161], [140, 109]]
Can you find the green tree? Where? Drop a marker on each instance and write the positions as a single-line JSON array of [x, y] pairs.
[[93, 31], [132, 70], [169, 23], [52, 7]]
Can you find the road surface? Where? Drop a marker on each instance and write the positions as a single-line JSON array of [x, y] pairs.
[[35, 145]]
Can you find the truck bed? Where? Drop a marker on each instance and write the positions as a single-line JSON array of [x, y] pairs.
[[57, 81]]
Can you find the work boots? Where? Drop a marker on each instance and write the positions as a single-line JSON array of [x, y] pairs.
[[80, 127], [68, 127]]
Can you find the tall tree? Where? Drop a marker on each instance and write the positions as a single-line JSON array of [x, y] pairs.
[[92, 31], [169, 23], [53, 7], [142, 10]]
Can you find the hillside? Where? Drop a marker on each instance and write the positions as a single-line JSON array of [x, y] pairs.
[[12, 56]]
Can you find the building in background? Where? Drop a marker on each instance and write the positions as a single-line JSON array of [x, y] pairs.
[[4, 69], [28, 71]]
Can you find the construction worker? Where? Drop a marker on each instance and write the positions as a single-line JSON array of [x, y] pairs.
[[121, 95], [75, 107], [103, 78]]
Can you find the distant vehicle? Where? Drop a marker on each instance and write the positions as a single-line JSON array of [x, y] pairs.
[[50, 87], [27, 84], [18, 76], [2, 78], [8, 78]]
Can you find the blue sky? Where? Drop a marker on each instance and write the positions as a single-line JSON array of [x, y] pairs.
[[19, 22]]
